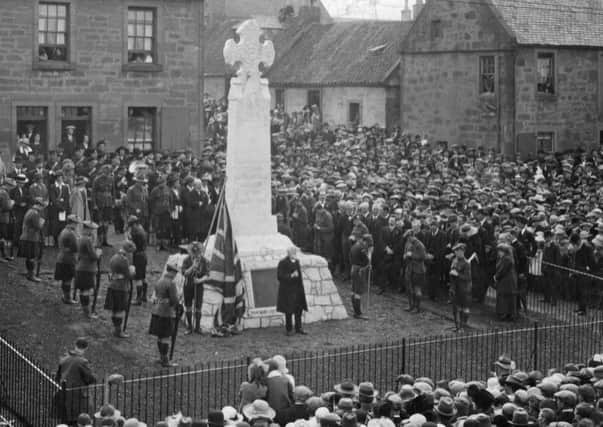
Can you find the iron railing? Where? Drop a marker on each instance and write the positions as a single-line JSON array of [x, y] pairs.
[[197, 389]]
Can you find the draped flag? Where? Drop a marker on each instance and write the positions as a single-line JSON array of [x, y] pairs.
[[225, 272]]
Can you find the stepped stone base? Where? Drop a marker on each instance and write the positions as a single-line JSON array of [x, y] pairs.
[[264, 253]]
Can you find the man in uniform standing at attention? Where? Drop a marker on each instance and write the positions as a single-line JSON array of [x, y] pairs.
[[360, 256], [137, 201], [414, 259], [164, 312], [103, 198], [64, 270], [291, 298], [138, 236], [86, 267], [31, 238], [119, 285], [194, 269]]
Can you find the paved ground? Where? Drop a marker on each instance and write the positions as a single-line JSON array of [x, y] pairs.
[[34, 317]]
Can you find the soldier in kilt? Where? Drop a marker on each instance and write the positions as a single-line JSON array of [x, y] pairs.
[[103, 198], [360, 260], [194, 268], [31, 238], [86, 267], [138, 236], [163, 316], [6, 207], [460, 286], [64, 270], [119, 285]]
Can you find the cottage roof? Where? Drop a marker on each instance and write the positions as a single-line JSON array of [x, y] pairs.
[[218, 34], [341, 53], [553, 22]]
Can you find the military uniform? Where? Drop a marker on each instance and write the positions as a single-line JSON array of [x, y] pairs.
[[64, 270], [75, 371], [30, 240], [361, 265], [6, 232], [137, 203], [460, 288], [21, 198], [193, 268], [163, 316], [103, 199], [116, 300], [414, 255], [85, 270], [161, 202], [139, 237]]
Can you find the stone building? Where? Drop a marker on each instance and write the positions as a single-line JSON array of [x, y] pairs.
[[513, 75], [350, 70], [126, 71]]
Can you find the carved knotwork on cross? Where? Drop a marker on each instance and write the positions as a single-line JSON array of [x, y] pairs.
[[249, 53]]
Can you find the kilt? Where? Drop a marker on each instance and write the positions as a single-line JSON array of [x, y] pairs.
[[161, 327], [28, 249], [84, 280], [103, 214], [6, 231], [64, 272], [163, 225], [139, 260], [359, 276], [116, 300]]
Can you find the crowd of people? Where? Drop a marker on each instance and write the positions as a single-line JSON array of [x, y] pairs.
[[270, 397], [346, 194]]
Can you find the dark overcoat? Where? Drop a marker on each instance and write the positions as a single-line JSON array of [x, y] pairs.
[[291, 295]]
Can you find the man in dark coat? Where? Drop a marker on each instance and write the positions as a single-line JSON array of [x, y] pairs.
[[76, 373], [58, 209], [20, 196], [291, 295], [192, 207]]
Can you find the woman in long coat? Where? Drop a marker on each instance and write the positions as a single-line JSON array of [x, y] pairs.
[[505, 280], [78, 200], [291, 299]]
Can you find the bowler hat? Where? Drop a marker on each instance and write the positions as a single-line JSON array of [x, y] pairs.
[[520, 419], [346, 388], [446, 407]]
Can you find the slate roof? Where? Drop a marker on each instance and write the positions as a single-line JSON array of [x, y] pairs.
[[341, 53], [577, 23], [217, 35]]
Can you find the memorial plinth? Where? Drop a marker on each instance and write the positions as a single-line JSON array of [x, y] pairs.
[[249, 199]]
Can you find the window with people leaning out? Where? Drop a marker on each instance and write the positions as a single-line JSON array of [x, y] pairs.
[[141, 128], [53, 32], [546, 73], [545, 142], [141, 35]]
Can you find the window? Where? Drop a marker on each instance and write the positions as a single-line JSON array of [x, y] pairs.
[[436, 29], [32, 123], [279, 98], [545, 142], [354, 113], [314, 98], [141, 36], [53, 33], [546, 73], [81, 119], [487, 73], [141, 128]]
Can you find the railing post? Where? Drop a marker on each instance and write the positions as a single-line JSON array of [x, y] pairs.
[[62, 403], [403, 356], [535, 348]]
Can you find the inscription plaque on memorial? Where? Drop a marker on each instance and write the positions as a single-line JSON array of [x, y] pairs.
[[265, 287]]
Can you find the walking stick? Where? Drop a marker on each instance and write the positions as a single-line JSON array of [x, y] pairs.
[[368, 295], [97, 284], [40, 255], [179, 312], [129, 305]]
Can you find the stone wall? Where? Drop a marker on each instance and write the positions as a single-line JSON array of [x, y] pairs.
[[573, 112], [335, 103], [440, 76], [324, 302], [98, 44], [215, 87]]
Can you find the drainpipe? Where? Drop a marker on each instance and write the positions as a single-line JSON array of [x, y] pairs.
[[201, 79]]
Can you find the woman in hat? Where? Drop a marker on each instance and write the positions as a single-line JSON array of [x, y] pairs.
[[505, 280], [64, 270], [255, 387], [163, 316], [31, 237], [259, 413], [87, 266], [460, 286]]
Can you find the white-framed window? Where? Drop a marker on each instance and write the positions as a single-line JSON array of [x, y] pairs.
[[487, 74], [53, 32], [142, 128], [545, 141], [142, 31], [545, 64]]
